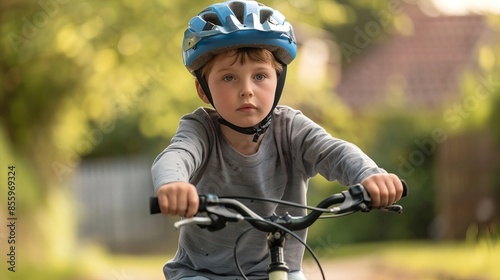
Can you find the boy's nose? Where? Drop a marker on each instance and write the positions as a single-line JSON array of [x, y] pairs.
[[246, 89], [245, 93]]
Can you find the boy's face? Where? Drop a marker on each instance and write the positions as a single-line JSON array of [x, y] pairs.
[[243, 93]]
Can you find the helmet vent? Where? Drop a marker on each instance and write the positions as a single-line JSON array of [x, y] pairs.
[[266, 15], [211, 19], [238, 9]]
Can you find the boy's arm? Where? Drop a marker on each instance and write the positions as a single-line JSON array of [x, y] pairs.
[[336, 159], [173, 168], [186, 152], [317, 151]]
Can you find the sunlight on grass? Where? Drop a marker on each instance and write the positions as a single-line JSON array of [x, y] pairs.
[[420, 260], [127, 267], [475, 258], [454, 259]]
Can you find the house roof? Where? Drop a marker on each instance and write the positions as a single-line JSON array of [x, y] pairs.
[[420, 70]]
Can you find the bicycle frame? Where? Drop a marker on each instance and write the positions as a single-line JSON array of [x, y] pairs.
[[355, 199]]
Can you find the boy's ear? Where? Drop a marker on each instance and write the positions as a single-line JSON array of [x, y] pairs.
[[201, 92]]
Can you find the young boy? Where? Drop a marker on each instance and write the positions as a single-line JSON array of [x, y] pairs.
[[247, 145]]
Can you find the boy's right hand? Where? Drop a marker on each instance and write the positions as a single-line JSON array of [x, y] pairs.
[[178, 198]]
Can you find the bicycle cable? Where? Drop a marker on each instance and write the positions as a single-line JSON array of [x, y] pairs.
[[240, 270], [291, 233], [283, 202], [336, 215]]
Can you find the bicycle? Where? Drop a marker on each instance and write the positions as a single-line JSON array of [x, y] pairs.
[[354, 199]]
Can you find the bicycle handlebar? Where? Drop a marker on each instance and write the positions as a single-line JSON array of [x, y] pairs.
[[354, 199]]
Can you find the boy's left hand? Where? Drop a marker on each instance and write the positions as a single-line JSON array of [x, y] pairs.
[[384, 189]]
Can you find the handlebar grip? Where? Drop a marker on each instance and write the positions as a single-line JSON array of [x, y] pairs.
[[154, 205], [405, 188]]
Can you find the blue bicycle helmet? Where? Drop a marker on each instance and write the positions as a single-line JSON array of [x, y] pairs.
[[238, 24]]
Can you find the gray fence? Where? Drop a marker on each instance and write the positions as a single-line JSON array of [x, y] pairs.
[[113, 196]]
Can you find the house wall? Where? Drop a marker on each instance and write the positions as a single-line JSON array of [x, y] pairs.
[[467, 194]]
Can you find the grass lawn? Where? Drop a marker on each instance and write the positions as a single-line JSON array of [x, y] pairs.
[[427, 260], [463, 261]]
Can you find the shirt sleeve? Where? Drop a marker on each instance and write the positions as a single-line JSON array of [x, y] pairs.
[[186, 151], [316, 151]]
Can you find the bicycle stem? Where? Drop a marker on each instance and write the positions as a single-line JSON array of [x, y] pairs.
[[278, 270]]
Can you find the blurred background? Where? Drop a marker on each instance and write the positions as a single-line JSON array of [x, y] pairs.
[[91, 91]]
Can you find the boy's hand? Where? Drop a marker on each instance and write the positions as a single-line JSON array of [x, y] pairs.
[[384, 189], [178, 198]]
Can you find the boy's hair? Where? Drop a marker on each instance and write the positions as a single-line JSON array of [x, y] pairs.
[[241, 55]]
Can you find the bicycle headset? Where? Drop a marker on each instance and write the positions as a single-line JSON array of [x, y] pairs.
[[237, 24]]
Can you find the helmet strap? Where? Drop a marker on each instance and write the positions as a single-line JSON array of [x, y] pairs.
[[264, 124]]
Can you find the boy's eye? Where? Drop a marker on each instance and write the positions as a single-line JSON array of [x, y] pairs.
[[260, 77], [228, 78]]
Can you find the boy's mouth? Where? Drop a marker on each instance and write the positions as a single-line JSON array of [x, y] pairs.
[[247, 107]]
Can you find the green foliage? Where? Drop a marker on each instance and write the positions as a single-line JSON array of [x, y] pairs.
[[409, 154], [68, 65]]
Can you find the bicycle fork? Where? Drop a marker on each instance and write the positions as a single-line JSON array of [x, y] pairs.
[[278, 270]]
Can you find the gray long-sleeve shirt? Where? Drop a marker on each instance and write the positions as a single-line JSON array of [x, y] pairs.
[[293, 150]]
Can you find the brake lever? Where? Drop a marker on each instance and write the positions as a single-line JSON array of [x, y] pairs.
[[393, 208], [355, 198], [194, 220], [219, 217]]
